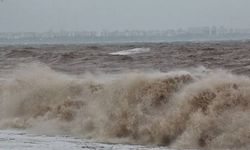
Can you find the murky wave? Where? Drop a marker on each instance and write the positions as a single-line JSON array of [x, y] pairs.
[[196, 108]]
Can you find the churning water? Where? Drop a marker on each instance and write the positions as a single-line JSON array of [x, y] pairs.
[[198, 107]]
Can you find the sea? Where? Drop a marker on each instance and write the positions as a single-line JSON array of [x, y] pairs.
[[177, 95]]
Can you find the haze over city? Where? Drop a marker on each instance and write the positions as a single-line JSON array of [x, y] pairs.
[[110, 15]]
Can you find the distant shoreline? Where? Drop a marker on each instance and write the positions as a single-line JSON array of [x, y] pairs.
[[120, 42]]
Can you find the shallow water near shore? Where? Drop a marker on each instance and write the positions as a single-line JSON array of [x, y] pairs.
[[20, 140]]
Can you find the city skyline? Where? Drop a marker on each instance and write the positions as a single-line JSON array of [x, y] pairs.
[[171, 35], [187, 29]]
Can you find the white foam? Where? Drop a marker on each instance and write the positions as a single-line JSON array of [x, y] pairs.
[[19, 140], [131, 51]]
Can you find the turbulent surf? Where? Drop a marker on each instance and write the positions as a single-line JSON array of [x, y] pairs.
[[190, 109], [147, 94]]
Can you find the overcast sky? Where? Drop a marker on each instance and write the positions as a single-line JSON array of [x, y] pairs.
[[77, 15]]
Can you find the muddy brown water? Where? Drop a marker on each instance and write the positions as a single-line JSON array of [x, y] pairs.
[[77, 59]]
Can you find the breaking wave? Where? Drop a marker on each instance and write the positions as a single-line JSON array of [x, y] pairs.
[[131, 51], [197, 108]]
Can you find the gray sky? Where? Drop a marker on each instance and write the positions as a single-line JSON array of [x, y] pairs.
[[77, 15]]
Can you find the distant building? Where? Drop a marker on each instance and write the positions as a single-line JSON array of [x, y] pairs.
[[213, 31], [199, 30]]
